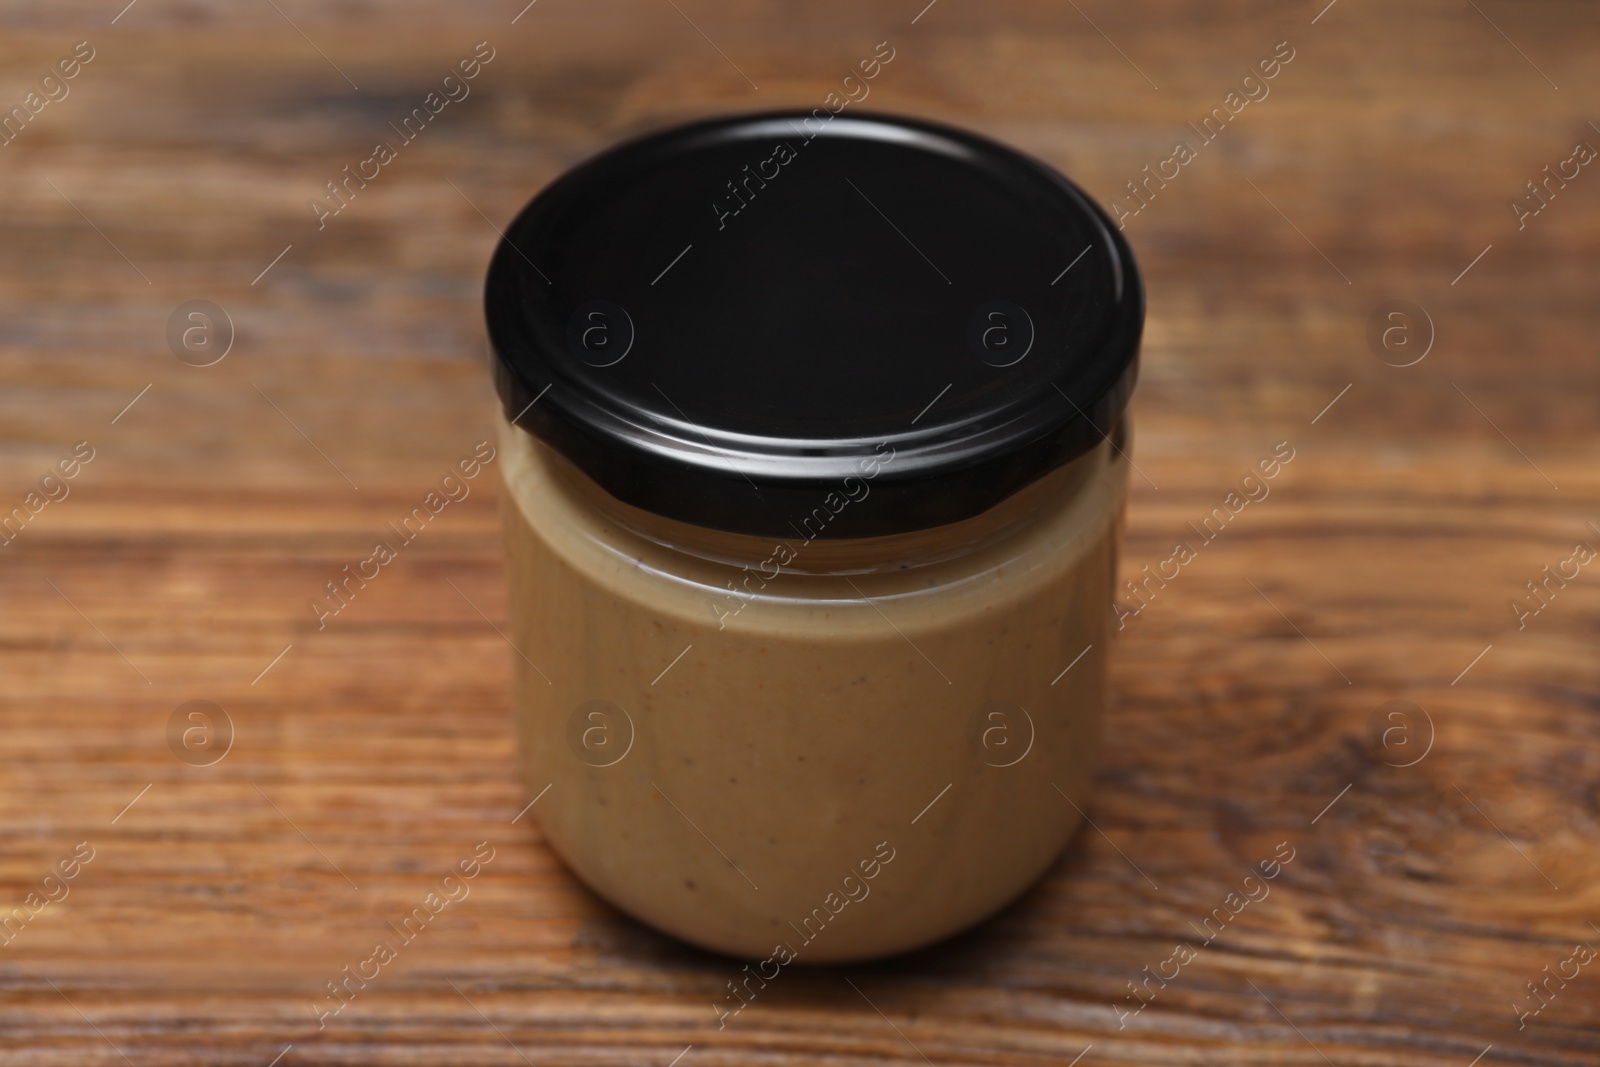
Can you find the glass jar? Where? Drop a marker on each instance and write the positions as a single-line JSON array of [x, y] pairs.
[[812, 652]]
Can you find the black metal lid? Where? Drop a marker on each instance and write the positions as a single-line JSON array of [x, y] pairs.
[[738, 322]]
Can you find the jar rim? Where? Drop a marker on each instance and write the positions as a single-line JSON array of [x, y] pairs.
[[802, 552]]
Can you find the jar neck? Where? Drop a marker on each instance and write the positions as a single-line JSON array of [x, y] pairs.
[[803, 554]]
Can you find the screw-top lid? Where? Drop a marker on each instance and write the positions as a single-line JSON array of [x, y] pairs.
[[738, 322]]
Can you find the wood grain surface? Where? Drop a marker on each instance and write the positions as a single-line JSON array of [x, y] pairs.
[[1443, 860]]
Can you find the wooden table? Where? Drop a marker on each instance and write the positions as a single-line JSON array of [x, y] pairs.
[[1442, 859]]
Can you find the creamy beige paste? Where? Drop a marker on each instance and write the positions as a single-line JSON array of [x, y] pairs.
[[784, 781]]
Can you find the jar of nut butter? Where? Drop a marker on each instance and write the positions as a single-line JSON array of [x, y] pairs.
[[815, 463]]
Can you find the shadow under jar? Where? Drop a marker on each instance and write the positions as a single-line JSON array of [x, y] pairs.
[[815, 460]]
